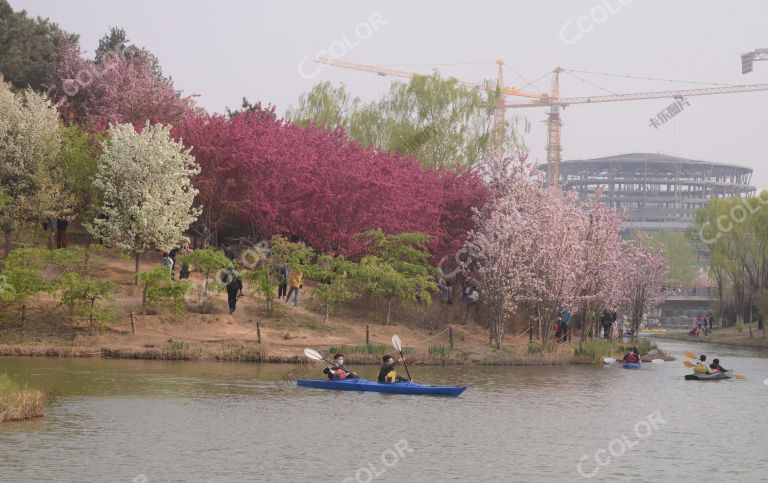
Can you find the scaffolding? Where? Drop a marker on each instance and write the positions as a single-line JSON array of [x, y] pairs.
[[659, 192]]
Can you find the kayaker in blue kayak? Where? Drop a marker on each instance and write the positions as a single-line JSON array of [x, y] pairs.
[[632, 356], [387, 371], [337, 369]]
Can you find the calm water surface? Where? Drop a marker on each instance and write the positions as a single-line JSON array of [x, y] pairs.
[[147, 421]]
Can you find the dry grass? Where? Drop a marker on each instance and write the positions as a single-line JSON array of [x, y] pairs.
[[18, 402]]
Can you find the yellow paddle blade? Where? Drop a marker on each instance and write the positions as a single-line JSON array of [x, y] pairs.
[[740, 377], [691, 355], [688, 363]]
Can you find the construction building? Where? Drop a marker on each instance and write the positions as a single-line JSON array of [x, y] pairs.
[[659, 192]]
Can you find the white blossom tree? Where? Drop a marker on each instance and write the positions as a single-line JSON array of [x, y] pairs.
[[148, 197], [30, 140]]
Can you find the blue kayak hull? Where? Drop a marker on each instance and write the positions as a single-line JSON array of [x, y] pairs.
[[632, 365], [383, 387]]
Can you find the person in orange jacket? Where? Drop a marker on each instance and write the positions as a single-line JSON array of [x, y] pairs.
[[297, 282]]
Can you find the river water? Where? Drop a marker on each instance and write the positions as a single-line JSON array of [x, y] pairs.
[[148, 421]]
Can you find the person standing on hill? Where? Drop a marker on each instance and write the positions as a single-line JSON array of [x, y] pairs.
[[168, 263], [61, 232], [234, 287], [607, 322], [297, 282], [185, 269], [282, 282]]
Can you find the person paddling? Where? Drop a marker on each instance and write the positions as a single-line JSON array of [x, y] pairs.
[[701, 366], [387, 371], [337, 369], [715, 367], [632, 355]]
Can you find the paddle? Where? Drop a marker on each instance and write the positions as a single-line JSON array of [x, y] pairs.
[[691, 355], [316, 356], [399, 348]]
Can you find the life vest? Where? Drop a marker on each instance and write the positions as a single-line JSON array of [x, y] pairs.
[[340, 374], [700, 369], [391, 377], [631, 357]]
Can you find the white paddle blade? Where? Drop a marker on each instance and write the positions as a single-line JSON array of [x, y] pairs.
[[313, 354], [609, 360], [657, 361], [396, 343]]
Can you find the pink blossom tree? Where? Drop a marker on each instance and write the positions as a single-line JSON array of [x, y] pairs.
[[497, 250], [645, 271], [115, 88], [601, 281]]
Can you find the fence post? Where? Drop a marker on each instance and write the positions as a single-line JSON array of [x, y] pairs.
[[258, 332], [133, 323], [367, 336], [450, 335]]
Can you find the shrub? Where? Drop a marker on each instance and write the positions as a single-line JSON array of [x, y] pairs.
[[18, 401]]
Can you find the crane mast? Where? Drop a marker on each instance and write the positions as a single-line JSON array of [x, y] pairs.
[[555, 102]]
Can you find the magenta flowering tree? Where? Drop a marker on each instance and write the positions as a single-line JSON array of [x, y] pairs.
[[645, 271]]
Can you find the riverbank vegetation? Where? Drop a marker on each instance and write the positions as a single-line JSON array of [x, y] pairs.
[[742, 336], [370, 227], [18, 401], [734, 232]]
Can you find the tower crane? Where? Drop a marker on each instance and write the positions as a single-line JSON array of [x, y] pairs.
[[554, 102]]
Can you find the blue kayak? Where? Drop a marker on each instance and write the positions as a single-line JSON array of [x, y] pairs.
[[632, 365], [385, 387]]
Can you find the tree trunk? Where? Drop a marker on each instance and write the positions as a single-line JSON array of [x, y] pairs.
[[137, 260], [389, 310], [7, 246], [327, 312], [144, 300], [204, 303], [87, 256]]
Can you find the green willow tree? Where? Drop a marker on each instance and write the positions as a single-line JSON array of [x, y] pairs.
[[680, 254], [429, 118], [735, 230]]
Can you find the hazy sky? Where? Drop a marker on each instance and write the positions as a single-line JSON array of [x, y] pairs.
[[224, 50]]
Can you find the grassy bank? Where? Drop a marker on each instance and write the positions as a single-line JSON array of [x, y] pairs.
[[730, 336], [515, 352], [258, 333], [18, 402]]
